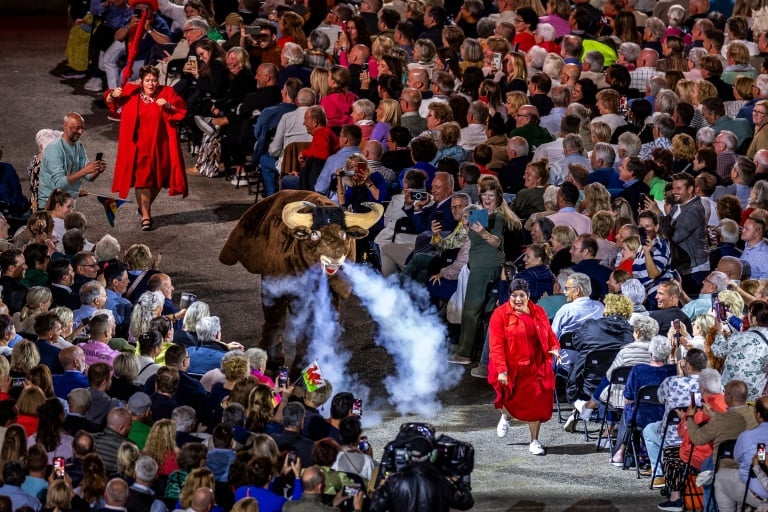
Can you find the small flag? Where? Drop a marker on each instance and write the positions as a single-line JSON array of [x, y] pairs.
[[110, 207], [313, 379]]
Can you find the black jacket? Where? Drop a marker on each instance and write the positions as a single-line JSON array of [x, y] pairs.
[[611, 332], [293, 441], [420, 487]]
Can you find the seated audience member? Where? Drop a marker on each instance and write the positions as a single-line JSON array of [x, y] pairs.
[[97, 349], [674, 392], [109, 440], [82, 445], [117, 282], [580, 306], [47, 329], [291, 438], [221, 456], [93, 296], [668, 300], [14, 474], [186, 335], [207, 355], [140, 493], [714, 283], [351, 459], [99, 380], [189, 392], [79, 401], [731, 482], [72, 360], [139, 405], [650, 374], [584, 255], [61, 276], [166, 384], [612, 331]]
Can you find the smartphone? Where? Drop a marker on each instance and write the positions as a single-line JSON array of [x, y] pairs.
[[722, 312], [361, 167], [761, 452], [447, 64], [480, 216], [364, 66], [715, 303], [438, 217], [497, 60], [58, 468], [192, 58], [623, 104], [643, 235], [292, 457], [350, 490], [357, 407], [364, 445], [693, 399], [138, 12], [99, 157], [643, 197], [676, 324], [282, 377]]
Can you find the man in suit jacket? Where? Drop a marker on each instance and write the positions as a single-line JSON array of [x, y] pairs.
[[72, 360], [631, 171], [48, 329], [62, 275], [291, 438]]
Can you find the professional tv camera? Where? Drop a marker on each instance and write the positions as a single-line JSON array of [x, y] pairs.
[[453, 458]]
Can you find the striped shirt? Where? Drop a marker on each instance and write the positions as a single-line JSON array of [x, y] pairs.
[[662, 258]]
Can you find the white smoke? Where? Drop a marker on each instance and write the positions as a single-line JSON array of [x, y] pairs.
[[410, 331], [314, 320]]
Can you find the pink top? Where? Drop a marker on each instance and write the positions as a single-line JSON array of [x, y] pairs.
[[338, 107], [98, 352]]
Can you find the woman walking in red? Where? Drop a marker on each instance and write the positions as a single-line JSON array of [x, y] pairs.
[[149, 154], [522, 346]]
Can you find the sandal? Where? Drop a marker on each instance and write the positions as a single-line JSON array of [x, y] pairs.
[[146, 225]]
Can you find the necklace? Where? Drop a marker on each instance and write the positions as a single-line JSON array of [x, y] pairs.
[[146, 99]]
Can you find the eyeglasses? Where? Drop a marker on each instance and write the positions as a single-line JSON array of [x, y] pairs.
[[522, 115], [719, 142], [189, 30], [759, 112], [457, 207], [571, 288]]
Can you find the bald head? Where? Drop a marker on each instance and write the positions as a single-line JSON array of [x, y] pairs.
[[305, 98], [730, 266], [203, 500], [116, 493], [119, 420], [648, 58], [313, 480], [761, 160], [418, 79], [373, 150], [359, 54], [569, 74], [70, 356]]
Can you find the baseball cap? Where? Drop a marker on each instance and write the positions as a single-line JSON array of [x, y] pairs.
[[139, 403]]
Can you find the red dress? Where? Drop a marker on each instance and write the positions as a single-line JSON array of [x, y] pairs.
[[519, 346], [148, 151]]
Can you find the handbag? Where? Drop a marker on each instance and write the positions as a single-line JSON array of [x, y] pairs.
[[456, 302]]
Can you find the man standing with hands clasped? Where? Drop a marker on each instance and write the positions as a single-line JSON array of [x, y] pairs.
[[65, 164]]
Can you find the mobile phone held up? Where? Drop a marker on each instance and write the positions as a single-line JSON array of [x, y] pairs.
[[761, 452], [58, 468], [282, 377], [357, 407]]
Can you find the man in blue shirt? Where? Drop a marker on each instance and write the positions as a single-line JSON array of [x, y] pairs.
[[349, 142], [755, 249], [13, 476], [48, 329], [116, 277]]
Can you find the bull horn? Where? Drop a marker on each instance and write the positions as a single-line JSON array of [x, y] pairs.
[[365, 220], [293, 219]]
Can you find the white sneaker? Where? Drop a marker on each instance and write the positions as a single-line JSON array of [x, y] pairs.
[[570, 423], [579, 405], [503, 427], [536, 448], [93, 84], [585, 414]]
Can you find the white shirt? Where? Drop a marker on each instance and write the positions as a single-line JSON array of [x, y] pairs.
[[472, 135], [290, 129]]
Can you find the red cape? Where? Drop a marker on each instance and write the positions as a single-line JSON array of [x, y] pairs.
[[150, 144]]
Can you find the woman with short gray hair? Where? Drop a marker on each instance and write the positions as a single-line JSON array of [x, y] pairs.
[[187, 335], [651, 374], [208, 355]]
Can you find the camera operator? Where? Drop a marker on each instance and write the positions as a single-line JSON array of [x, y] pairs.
[[420, 486]]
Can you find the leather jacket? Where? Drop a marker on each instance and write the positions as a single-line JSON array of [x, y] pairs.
[[420, 487]]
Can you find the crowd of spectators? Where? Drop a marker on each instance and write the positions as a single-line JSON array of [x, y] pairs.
[[616, 149]]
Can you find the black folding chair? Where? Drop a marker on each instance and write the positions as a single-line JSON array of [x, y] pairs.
[[566, 342], [646, 397], [724, 451], [673, 420], [596, 366], [619, 377]]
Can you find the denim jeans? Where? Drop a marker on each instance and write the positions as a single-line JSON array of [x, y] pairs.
[[268, 174], [652, 436]]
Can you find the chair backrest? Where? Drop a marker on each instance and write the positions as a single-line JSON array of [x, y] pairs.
[[566, 340], [646, 397], [597, 363], [620, 375], [724, 451], [671, 422]]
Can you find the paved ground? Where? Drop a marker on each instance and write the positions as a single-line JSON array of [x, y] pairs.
[[190, 233]]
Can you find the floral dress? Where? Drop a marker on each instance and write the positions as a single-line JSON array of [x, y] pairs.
[[746, 358]]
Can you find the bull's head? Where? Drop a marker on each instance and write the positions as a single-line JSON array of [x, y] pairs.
[[328, 228]]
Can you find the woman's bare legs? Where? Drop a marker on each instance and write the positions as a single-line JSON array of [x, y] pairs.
[[145, 197], [534, 427]]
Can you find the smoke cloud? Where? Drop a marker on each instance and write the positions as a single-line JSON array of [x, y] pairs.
[[409, 330]]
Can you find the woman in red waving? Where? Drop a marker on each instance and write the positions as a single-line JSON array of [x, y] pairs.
[[522, 346], [149, 154]]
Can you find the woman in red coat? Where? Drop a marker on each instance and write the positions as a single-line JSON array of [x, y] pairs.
[[149, 154], [522, 345]]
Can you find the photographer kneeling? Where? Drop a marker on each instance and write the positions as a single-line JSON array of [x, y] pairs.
[[421, 486]]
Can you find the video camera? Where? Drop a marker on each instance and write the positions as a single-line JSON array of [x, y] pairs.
[[453, 458]]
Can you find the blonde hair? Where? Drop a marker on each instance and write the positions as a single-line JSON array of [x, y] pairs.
[[161, 440], [247, 504], [381, 46], [743, 85], [683, 147], [632, 243], [235, 368], [392, 111], [24, 356], [704, 89], [601, 131], [37, 296], [139, 257], [516, 99], [596, 198], [448, 134], [602, 222], [126, 366], [31, 398], [264, 446], [738, 52], [197, 478], [536, 5], [684, 89], [291, 26], [5, 367], [564, 235], [59, 495], [733, 301], [127, 455], [616, 304], [318, 81]]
